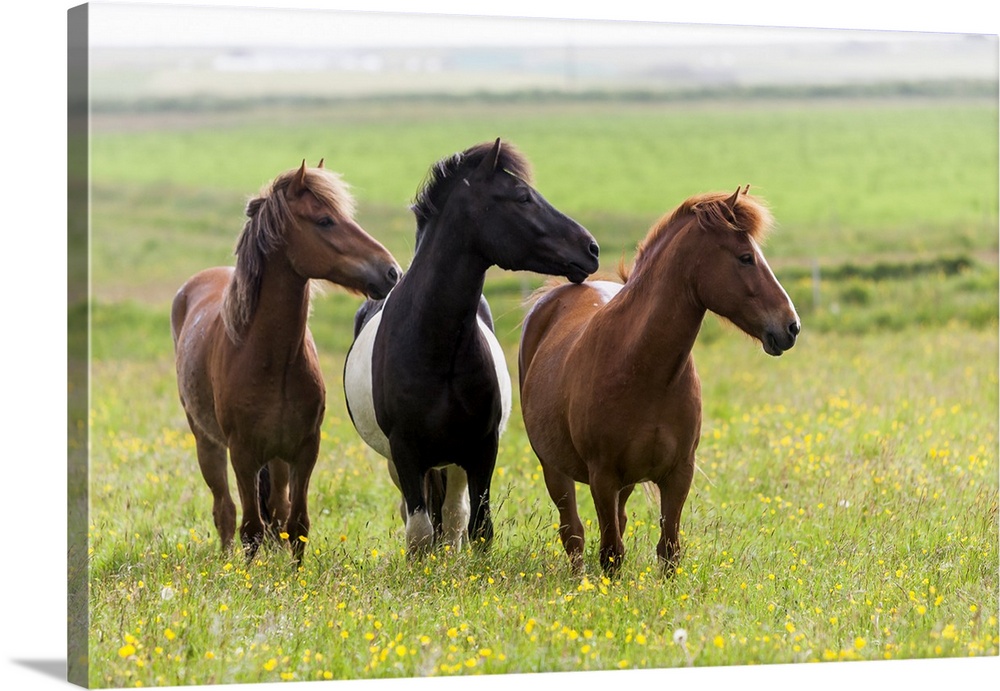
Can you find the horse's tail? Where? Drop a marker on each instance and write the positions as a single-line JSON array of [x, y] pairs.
[[624, 270], [652, 493], [178, 313], [264, 494]]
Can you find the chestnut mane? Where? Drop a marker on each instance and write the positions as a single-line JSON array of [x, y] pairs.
[[738, 212]]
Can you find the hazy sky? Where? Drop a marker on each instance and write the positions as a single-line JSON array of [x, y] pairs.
[[119, 24]]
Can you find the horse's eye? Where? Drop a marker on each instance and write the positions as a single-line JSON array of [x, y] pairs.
[[326, 222], [523, 197], [747, 260]]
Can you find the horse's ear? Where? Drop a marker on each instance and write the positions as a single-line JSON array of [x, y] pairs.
[[489, 164], [323, 159], [731, 202], [299, 180], [746, 190]]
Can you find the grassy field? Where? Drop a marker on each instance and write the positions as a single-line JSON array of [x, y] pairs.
[[844, 181], [846, 502]]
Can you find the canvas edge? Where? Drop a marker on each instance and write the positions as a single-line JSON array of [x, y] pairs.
[[78, 341]]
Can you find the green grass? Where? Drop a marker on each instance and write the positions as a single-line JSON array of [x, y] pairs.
[[837, 514], [846, 501]]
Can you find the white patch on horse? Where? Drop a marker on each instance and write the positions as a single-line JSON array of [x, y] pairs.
[[606, 289], [358, 388], [419, 532], [456, 510], [763, 262], [503, 376]]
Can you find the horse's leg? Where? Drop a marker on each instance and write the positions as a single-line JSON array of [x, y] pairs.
[[562, 490], [456, 511], [278, 502], [673, 493], [605, 489], [215, 470], [251, 527], [480, 475], [298, 517], [410, 480]]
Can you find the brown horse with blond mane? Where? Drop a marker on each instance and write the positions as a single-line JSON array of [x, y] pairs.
[[609, 391], [247, 368]]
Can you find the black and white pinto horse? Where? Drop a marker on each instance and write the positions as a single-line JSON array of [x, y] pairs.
[[426, 381]]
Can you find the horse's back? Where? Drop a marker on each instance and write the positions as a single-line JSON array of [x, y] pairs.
[[559, 316], [369, 308], [196, 323], [200, 293]]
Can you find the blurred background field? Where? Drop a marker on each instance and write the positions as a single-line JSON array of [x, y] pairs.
[[846, 506], [886, 209]]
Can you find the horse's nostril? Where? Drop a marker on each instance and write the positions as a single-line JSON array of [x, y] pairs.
[[794, 328], [392, 274], [595, 250]]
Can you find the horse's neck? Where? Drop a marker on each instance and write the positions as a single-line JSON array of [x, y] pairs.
[[657, 313], [446, 282], [278, 325]]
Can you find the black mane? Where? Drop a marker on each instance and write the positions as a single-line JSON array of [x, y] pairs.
[[444, 174]]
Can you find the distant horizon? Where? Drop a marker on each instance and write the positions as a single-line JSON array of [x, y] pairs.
[[245, 52]]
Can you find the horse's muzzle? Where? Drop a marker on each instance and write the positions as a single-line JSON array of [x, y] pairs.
[[776, 342], [379, 288], [578, 271]]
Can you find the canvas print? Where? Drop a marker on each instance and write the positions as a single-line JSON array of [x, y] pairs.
[[475, 345]]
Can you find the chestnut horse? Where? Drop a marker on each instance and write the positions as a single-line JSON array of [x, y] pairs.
[[426, 380], [609, 391], [247, 368]]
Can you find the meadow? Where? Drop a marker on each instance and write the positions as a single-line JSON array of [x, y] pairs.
[[846, 504]]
